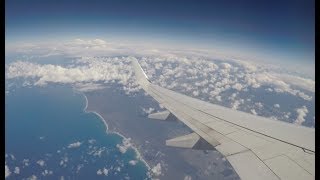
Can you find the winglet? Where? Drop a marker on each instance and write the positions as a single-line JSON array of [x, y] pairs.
[[140, 75]]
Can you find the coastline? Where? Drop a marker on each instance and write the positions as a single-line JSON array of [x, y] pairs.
[[124, 117], [138, 154]]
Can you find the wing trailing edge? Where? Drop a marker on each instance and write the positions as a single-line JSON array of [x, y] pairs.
[[192, 141]]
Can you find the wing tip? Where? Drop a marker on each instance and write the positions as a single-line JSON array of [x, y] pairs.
[[140, 75]]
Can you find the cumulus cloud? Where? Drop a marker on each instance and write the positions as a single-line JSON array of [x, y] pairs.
[[47, 172], [133, 162], [41, 162], [33, 177], [235, 105], [259, 105], [276, 105], [302, 113], [237, 86], [303, 83], [7, 171], [253, 111], [64, 161], [74, 145], [156, 170], [103, 171], [88, 87], [189, 72], [125, 145], [16, 170], [148, 110], [225, 65], [25, 162], [91, 141]]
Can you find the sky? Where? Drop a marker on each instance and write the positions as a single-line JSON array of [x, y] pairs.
[[275, 28]]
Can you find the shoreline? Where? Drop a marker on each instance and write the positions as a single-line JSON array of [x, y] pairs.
[[138, 154]]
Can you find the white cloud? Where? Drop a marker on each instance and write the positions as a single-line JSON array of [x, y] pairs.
[[91, 141], [303, 83], [41, 162], [47, 172], [103, 171], [64, 161], [218, 98], [237, 86], [7, 171], [276, 105], [87, 87], [302, 113], [97, 152], [195, 93], [33, 177], [235, 105], [74, 145], [133, 162], [25, 162], [125, 145], [16, 170], [253, 111], [187, 177], [259, 105], [148, 110], [188, 72], [156, 170], [225, 65]]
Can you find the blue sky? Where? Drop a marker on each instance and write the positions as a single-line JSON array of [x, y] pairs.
[[281, 27]]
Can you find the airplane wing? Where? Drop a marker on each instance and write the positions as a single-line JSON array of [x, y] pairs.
[[256, 147]]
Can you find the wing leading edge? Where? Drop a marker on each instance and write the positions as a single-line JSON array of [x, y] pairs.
[[256, 147]]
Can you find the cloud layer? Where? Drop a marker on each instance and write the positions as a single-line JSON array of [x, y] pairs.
[[230, 82]]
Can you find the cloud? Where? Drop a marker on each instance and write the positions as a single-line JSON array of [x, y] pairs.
[[98, 152], [303, 83], [187, 177], [259, 105], [41, 162], [225, 65], [253, 111], [156, 170], [218, 98], [64, 161], [235, 105], [133, 162], [92, 141], [7, 171], [276, 105], [88, 87], [194, 73], [148, 110], [33, 177], [25, 162], [47, 172], [74, 145], [237, 86], [125, 145], [16, 170], [302, 113], [103, 171]]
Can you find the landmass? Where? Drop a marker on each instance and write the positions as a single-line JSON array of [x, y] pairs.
[[126, 116]]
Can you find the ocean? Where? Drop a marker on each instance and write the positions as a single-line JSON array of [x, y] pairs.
[[48, 135]]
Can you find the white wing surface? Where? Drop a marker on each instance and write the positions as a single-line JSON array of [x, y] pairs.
[[256, 147]]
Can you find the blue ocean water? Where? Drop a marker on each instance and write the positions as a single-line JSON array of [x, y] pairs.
[[49, 136]]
